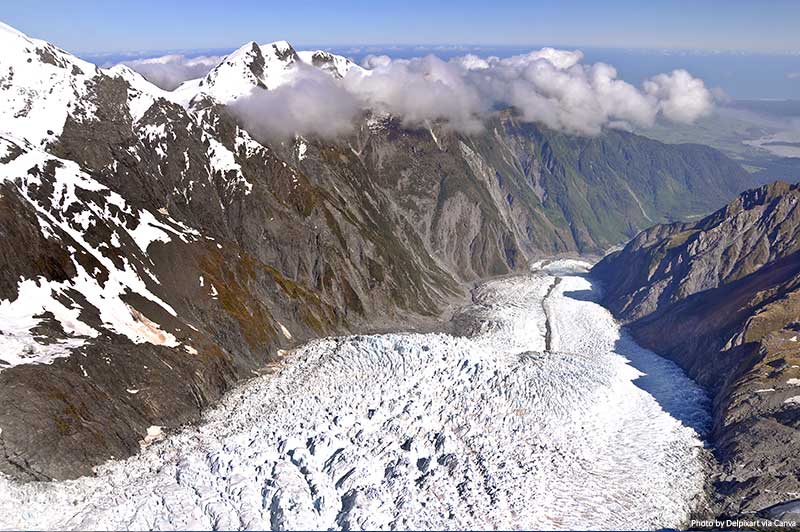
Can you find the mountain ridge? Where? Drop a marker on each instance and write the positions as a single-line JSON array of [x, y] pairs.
[[727, 288], [257, 66]]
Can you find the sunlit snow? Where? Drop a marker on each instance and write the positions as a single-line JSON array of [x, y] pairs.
[[40, 86], [141, 93]]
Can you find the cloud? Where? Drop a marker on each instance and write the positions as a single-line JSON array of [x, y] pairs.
[[681, 97], [313, 103], [552, 87], [548, 86], [418, 90], [169, 71], [793, 75]]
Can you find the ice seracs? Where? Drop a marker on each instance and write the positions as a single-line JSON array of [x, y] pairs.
[[423, 431]]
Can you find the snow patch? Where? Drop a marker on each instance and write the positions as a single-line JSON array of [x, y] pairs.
[[153, 435], [37, 297], [18, 318], [40, 86], [285, 331], [223, 161], [141, 95]]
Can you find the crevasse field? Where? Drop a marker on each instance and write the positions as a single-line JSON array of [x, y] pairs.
[[543, 415]]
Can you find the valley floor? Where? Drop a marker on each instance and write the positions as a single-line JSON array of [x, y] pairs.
[[543, 415]]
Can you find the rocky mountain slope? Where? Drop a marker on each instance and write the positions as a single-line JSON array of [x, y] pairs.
[[154, 252], [721, 297]]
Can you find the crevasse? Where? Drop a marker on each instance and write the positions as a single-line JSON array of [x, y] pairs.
[[484, 430]]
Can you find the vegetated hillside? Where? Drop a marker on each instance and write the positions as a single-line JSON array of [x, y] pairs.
[[154, 252], [722, 298]]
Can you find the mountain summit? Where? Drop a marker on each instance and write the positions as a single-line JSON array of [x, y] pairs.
[[40, 85], [266, 66]]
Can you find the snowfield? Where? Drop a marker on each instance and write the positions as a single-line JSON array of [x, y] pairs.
[[544, 415]]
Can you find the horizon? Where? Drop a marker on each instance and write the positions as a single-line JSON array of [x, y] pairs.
[[740, 75], [356, 48], [745, 49]]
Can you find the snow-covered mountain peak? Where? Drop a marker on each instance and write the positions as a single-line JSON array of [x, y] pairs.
[[336, 65], [135, 80], [123, 71], [241, 71], [6, 30], [245, 56], [141, 93], [40, 85], [258, 66], [280, 51], [20, 51]]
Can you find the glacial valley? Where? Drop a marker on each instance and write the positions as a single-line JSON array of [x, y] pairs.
[[537, 412]]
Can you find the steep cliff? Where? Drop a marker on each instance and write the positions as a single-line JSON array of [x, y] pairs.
[[722, 298]]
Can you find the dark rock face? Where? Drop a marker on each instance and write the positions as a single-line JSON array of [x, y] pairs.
[[177, 255], [722, 298]]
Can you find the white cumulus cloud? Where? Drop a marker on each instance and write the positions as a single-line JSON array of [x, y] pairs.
[[169, 71], [313, 102], [548, 86], [419, 90], [681, 97]]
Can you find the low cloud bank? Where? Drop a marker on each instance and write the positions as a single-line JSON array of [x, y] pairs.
[[169, 71], [313, 103], [548, 86]]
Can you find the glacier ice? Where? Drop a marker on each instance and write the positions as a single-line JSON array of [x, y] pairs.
[[485, 429]]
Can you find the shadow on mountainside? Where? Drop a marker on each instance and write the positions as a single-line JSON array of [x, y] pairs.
[[665, 381]]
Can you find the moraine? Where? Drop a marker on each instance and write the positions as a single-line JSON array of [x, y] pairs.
[[486, 430]]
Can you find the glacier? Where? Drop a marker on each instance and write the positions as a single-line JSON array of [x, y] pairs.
[[538, 411]]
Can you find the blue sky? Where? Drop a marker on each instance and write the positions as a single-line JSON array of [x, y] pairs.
[[94, 26]]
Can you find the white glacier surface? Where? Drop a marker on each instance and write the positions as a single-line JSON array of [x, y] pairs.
[[487, 430]]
